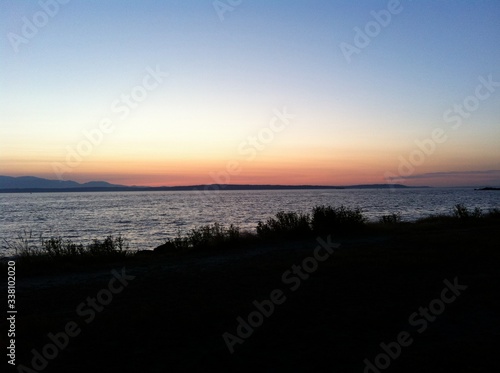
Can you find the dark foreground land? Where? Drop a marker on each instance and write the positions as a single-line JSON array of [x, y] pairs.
[[377, 287]]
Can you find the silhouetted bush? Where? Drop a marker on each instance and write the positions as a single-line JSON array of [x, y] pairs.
[[460, 215], [110, 246], [178, 243], [328, 219], [461, 212], [58, 249], [285, 224], [204, 237], [390, 219], [215, 235], [437, 219], [493, 214]]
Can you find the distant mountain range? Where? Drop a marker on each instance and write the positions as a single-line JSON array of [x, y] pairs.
[[9, 184], [31, 182]]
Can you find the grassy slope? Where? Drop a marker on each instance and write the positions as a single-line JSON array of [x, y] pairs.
[[173, 315]]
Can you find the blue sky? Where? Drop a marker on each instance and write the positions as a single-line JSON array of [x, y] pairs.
[[353, 121]]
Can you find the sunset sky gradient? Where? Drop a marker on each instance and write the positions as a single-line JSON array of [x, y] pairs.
[[207, 82]]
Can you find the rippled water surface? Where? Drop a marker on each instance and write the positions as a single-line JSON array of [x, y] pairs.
[[146, 219]]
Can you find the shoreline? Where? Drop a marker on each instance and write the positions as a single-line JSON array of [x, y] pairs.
[[341, 222], [177, 308]]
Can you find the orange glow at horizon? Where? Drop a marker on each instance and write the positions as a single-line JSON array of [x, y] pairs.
[[321, 165]]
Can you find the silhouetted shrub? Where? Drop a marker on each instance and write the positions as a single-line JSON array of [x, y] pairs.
[[440, 219], [285, 224], [493, 214], [390, 219], [461, 212], [178, 243], [211, 236], [328, 219], [110, 246], [56, 248]]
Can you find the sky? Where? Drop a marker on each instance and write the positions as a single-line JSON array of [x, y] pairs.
[[251, 92]]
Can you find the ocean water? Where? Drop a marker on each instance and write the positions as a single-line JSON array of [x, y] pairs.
[[147, 219]]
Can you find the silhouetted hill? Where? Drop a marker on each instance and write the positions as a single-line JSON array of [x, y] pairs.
[[31, 182], [25, 184], [381, 186]]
